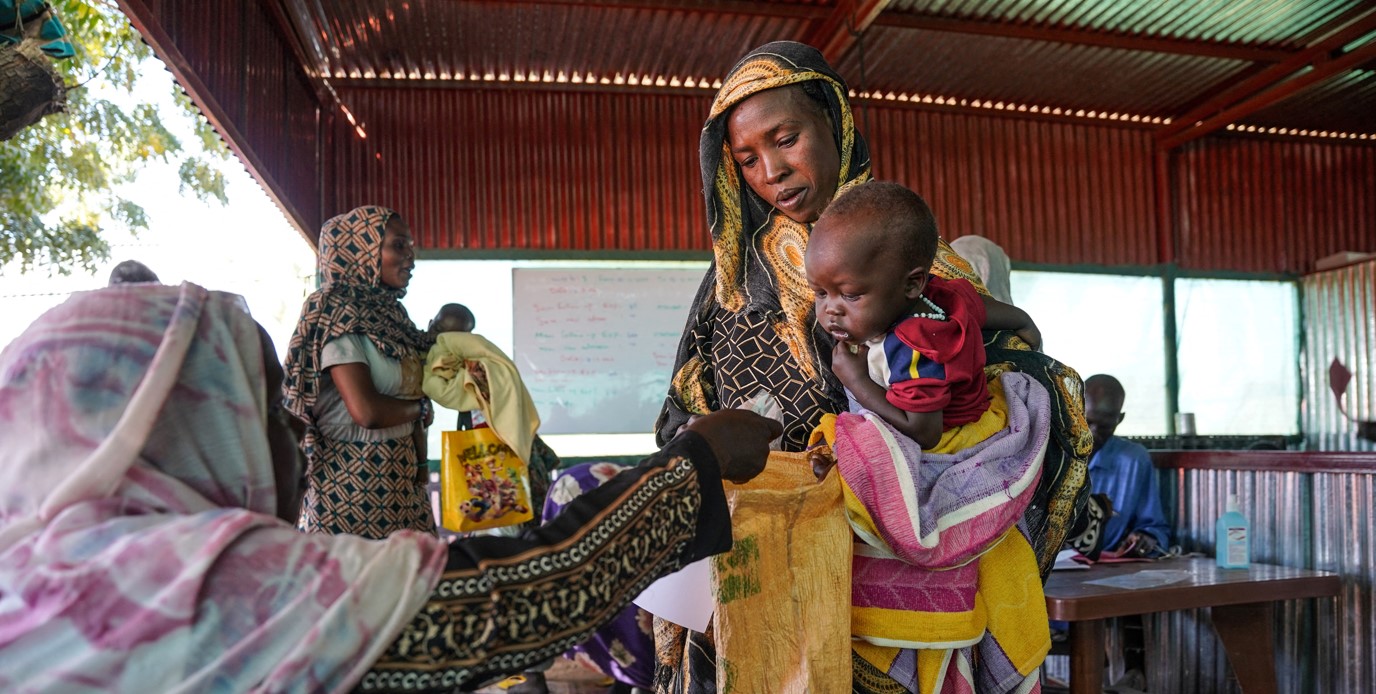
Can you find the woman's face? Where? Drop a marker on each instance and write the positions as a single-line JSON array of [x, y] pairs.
[[284, 436], [784, 145], [398, 254]]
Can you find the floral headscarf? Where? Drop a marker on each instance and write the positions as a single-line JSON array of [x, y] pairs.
[[351, 300], [137, 547], [739, 219]]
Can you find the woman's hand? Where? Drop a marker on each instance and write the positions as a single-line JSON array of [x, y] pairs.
[[850, 367], [1031, 335], [740, 440]]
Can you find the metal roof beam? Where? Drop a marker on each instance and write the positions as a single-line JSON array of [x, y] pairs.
[[169, 52], [1083, 37], [836, 35], [742, 7], [1270, 77], [1322, 70]]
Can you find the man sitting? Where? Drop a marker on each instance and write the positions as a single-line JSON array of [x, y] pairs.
[[1122, 471]]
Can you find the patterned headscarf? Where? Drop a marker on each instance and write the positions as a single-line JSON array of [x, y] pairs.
[[351, 300], [137, 546], [740, 220]]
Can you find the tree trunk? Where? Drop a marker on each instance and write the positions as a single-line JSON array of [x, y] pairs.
[[30, 87]]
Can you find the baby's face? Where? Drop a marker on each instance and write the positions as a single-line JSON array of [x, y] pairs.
[[859, 295]]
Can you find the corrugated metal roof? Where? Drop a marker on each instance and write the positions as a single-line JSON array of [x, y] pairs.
[[487, 40], [1252, 22], [1033, 72], [1346, 103], [1157, 58]]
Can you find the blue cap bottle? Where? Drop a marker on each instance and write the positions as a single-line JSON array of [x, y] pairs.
[[1234, 549]]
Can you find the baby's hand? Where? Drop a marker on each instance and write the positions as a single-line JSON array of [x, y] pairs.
[[1031, 335], [479, 376], [822, 461], [850, 363]]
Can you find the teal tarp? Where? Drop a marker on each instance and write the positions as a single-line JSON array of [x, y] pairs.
[[34, 19]]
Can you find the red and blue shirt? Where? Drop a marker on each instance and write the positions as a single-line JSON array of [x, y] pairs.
[[930, 364]]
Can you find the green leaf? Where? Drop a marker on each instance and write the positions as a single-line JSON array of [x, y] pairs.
[[58, 177]]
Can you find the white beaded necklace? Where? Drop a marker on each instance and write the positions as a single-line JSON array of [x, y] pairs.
[[936, 314]]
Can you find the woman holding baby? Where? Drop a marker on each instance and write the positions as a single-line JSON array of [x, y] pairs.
[[779, 145]]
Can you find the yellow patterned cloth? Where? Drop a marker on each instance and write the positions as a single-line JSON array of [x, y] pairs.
[[506, 405]]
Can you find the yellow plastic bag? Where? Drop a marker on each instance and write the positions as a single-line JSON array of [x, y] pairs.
[[782, 621], [483, 483]]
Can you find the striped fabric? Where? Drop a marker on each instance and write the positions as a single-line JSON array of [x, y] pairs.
[[943, 575]]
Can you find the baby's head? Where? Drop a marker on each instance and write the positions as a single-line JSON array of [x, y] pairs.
[[453, 318], [867, 259], [131, 272]]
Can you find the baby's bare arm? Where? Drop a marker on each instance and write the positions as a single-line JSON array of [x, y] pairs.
[[1001, 316]]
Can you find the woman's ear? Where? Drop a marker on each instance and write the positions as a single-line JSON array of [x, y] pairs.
[[915, 282]]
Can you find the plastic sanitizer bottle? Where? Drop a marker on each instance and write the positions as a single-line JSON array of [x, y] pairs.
[[1234, 549]]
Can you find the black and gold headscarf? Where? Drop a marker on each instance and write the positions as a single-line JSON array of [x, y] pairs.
[[752, 326]]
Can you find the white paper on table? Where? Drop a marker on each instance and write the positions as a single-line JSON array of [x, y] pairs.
[[1150, 578], [683, 597], [1065, 561]]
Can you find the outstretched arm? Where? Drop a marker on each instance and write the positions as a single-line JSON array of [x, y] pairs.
[[504, 604]]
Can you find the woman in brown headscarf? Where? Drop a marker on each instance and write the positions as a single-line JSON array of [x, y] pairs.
[[354, 376]]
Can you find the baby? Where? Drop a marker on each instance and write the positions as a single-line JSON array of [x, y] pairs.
[[452, 318], [909, 350], [908, 344], [457, 318]]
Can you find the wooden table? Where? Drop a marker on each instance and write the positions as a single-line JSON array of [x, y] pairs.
[[1238, 600]]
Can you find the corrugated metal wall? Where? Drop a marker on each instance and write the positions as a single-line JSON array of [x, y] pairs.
[[555, 171], [584, 171], [531, 170], [1339, 321], [1311, 520], [253, 84], [1273, 206], [1047, 192]]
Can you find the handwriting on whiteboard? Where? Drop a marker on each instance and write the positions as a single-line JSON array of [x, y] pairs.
[[596, 346]]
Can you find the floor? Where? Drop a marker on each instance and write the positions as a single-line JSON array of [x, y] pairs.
[[567, 677]]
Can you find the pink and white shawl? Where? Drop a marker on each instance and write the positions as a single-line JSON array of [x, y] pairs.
[[138, 550], [945, 594]]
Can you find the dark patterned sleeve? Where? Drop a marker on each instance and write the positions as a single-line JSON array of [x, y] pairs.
[[692, 387], [507, 603]]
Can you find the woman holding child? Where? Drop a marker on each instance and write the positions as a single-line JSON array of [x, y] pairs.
[[354, 377], [782, 125]]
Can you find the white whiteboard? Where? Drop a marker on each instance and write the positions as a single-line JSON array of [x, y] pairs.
[[596, 346]]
